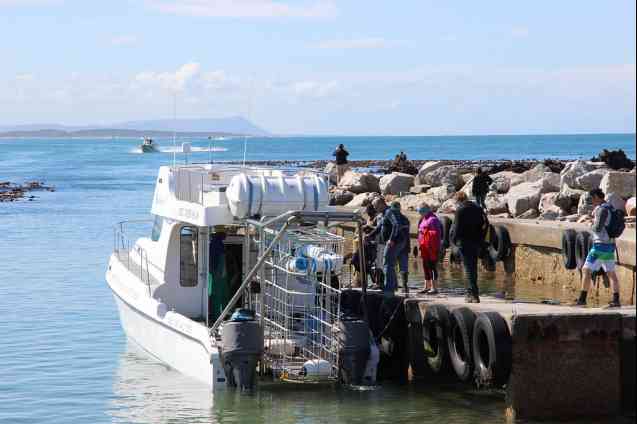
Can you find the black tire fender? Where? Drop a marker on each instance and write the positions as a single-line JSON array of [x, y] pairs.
[[581, 248], [568, 248], [446, 229], [460, 342], [491, 349], [499, 243], [435, 328]]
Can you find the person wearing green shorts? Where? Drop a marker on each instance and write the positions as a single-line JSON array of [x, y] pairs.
[[602, 255]]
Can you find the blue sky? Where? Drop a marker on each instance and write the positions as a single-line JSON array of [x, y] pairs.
[[324, 66]]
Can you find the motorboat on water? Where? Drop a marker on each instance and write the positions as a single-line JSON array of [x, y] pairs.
[[241, 276], [149, 146]]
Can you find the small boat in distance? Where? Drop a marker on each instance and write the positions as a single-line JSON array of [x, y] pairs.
[[149, 146]]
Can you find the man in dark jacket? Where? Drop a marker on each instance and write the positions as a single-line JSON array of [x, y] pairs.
[[480, 187], [393, 228], [468, 232], [340, 155]]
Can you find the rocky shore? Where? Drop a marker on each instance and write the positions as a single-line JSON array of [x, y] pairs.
[[545, 190], [10, 192]]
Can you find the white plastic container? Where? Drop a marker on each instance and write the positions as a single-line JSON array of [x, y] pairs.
[[317, 368], [273, 195]]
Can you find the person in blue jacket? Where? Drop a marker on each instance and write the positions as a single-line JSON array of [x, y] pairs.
[[393, 228]]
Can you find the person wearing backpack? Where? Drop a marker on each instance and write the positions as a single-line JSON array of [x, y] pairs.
[[608, 224], [393, 228], [468, 233]]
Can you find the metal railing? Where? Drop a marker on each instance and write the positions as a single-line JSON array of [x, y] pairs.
[[133, 257]]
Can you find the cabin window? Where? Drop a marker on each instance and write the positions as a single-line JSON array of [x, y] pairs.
[[188, 257], [156, 231]]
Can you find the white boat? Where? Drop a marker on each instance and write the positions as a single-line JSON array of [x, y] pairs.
[[149, 146], [170, 295]]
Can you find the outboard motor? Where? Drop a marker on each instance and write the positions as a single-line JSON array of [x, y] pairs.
[[354, 352], [242, 347]]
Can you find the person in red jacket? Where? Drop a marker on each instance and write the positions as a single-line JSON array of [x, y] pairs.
[[429, 240]]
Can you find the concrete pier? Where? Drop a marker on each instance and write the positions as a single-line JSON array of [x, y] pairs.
[[567, 362]]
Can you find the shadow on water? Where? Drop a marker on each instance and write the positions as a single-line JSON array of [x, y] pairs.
[[147, 392]]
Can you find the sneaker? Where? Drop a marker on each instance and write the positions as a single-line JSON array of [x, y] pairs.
[[468, 299], [424, 291], [578, 303], [432, 292], [613, 304], [476, 299]]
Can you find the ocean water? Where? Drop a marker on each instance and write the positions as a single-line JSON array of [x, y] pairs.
[[63, 355]]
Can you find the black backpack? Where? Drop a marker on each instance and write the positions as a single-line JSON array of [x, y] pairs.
[[617, 223]]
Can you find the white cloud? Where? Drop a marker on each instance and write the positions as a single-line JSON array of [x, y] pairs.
[[520, 32], [245, 8], [359, 43], [174, 81], [314, 89], [124, 40]]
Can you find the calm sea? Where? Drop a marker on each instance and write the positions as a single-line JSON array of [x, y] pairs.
[[63, 356]]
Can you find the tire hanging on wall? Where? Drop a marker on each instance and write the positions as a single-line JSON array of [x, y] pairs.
[[491, 349], [581, 248], [568, 248], [500, 243], [435, 328], [460, 342]]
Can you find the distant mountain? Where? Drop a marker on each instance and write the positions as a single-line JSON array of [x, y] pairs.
[[213, 126], [234, 125], [112, 133]]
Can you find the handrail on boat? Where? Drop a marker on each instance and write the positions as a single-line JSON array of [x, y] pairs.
[[122, 245]]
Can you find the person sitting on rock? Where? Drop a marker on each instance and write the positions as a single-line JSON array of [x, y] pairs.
[[602, 255], [468, 233], [480, 187], [340, 154]]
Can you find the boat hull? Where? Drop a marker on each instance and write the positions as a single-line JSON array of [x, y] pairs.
[[148, 149], [168, 337]]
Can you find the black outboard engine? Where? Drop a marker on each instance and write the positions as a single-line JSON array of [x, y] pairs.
[[242, 347], [354, 350]]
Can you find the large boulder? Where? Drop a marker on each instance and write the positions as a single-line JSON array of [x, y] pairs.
[[445, 175], [532, 175], [549, 202], [530, 214], [466, 177], [526, 196], [568, 197], [591, 179], [631, 207], [502, 181], [411, 202], [496, 203], [573, 170], [361, 200], [419, 188], [585, 205], [330, 170], [467, 188], [549, 216], [396, 183], [428, 167], [616, 201], [359, 183], [449, 206], [620, 183], [442, 193], [341, 197]]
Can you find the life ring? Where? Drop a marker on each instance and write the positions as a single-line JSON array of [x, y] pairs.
[[446, 228], [435, 327], [581, 248], [499, 243], [460, 342], [568, 248], [491, 349]]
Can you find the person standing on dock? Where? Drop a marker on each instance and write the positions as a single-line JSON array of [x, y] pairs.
[[393, 228], [429, 241], [468, 232], [340, 154], [480, 187], [605, 228]]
